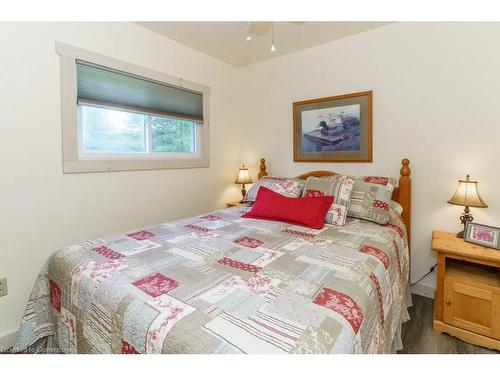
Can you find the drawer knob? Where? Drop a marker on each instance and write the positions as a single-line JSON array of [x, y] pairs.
[[448, 303]]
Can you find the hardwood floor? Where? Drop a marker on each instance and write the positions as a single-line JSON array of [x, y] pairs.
[[418, 337]]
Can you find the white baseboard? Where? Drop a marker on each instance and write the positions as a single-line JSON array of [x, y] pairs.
[[7, 340], [423, 290]]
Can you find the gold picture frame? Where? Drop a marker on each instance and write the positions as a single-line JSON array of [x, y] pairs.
[[335, 129]]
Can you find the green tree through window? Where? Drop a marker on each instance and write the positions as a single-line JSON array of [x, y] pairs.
[[110, 131], [172, 135]]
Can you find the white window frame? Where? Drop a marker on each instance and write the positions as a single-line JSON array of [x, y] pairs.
[[74, 161]]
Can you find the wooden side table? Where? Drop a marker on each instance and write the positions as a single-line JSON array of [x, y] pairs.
[[237, 203], [467, 300]]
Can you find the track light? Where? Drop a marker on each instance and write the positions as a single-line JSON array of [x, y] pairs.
[[273, 45], [249, 35]]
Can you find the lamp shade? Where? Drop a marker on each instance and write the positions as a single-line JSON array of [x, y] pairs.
[[467, 195], [243, 176]]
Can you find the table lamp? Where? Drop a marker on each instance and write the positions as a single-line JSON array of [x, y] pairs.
[[243, 178], [467, 196]]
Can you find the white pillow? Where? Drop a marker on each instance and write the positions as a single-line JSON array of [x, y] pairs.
[[289, 187], [396, 207]]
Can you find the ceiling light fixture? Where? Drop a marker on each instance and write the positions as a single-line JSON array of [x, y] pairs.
[[273, 45], [260, 29], [249, 35]]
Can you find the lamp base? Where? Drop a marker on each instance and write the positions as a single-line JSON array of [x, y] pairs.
[[464, 219], [243, 193]]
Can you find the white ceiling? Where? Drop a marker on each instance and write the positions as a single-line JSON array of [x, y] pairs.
[[226, 40]]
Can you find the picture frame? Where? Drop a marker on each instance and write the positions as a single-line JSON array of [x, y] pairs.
[[481, 234], [335, 129]]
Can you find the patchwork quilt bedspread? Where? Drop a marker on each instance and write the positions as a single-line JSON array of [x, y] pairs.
[[219, 283]]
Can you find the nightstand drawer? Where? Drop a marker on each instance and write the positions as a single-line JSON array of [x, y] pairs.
[[472, 306]]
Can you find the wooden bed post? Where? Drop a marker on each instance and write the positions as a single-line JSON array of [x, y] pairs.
[[405, 195], [262, 168]]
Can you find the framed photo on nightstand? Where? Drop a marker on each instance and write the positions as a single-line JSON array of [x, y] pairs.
[[482, 235]]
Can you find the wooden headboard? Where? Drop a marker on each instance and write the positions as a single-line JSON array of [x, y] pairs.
[[401, 194]]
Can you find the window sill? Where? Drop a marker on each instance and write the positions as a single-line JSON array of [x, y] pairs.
[[85, 166]]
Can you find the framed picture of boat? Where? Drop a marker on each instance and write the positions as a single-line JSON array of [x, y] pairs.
[[337, 129]]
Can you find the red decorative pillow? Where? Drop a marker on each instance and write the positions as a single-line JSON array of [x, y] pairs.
[[309, 211]]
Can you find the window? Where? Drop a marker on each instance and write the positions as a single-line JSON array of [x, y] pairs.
[[119, 133], [119, 116]]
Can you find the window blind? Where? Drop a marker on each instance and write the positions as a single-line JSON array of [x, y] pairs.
[[97, 84]]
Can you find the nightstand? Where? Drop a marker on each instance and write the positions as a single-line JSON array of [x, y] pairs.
[[467, 300], [238, 203]]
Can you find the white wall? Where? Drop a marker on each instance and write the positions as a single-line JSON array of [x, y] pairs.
[[41, 209], [436, 94]]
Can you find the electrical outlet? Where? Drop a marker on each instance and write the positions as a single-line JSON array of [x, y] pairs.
[[3, 287]]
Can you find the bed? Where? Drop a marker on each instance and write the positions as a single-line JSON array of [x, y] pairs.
[[219, 283]]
